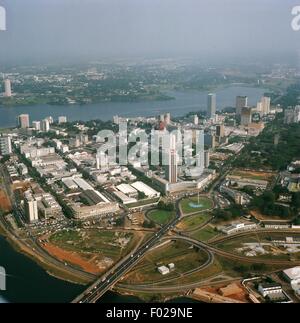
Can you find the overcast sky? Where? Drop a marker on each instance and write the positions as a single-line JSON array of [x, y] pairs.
[[56, 29]]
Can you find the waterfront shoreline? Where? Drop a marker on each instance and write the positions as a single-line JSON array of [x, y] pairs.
[[185, 101]]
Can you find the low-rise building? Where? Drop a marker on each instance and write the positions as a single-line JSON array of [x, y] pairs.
[[238, 227], [266, 289], [292, 274], [163, 270], [128, 190], [147, 190]]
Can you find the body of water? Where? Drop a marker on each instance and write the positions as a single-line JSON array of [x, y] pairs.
[[27, 282], [188, 101]]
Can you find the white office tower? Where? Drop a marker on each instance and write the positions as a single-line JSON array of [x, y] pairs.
[[206, 159], [36, 125], [5, 145], [45, 125], [241, 102], [211, 105], [31, 208], [62, 120], [266, 105], [101, 160], [172, 167], [23, 121], [196, 120], [7, 88]]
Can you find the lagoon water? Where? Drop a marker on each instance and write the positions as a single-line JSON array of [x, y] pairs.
[[188, 101]]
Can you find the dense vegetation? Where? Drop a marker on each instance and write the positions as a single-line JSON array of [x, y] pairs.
[[262, 153]]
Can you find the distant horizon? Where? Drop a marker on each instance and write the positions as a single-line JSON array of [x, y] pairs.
[[67, 31]]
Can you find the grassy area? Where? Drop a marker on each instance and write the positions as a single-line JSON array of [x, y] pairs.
[[108, 243], [161, 217], [192, 204], [273, 251], [194, 221], [214, 269], [205, 234], [179, 253]]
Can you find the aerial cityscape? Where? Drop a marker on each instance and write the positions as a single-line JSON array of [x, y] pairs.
[[145, 176]]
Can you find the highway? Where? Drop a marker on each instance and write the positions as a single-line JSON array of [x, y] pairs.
[[209, 261], [104, 283]]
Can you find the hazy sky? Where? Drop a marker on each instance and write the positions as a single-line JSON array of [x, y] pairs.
[[57, 29]]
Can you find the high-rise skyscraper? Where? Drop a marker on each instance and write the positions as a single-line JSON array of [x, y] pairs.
[[266, 105], [246, 117], [206, 158], [5, 145], [220, 131], [211, 105], [23, 121], [172, 167], [7, 88], [241, 102], [31, 208], [36, 125], [196, 120], [45, 125]]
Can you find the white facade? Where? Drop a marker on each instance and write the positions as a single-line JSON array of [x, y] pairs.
[[31, 207], [163, 270], [5, 145], [7, 88], [148, 191], [128, 190], [36, 125]]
